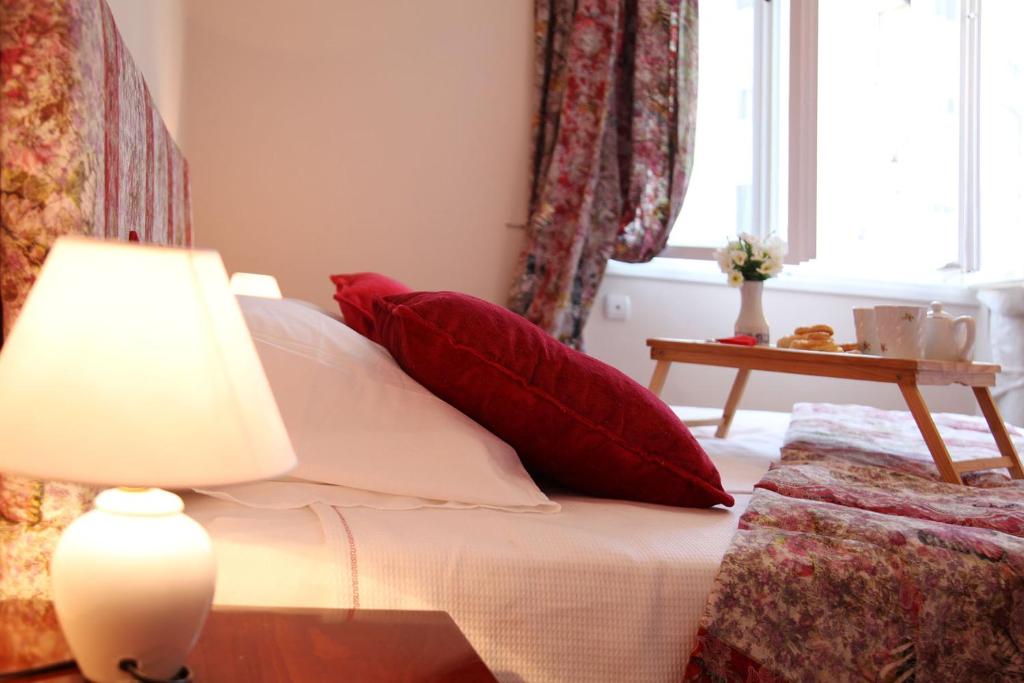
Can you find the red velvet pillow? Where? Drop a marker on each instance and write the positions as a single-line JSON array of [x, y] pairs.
[[355, 293], [574, 420]]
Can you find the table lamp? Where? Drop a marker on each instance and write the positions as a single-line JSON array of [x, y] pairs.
[[255, 284], [131, 366]]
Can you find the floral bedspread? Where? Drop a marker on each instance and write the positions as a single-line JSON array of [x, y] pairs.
[[854, 562]]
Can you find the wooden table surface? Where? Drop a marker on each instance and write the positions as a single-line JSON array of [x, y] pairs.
[[278, 645], [824, 364], [907, 373]]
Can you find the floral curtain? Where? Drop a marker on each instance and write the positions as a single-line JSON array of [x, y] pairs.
[[613, 147]]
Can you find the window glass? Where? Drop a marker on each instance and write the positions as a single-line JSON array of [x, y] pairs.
[[719, 199], [888, 134], [1002, 137]]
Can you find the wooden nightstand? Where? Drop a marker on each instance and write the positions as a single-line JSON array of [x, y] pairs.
[[279, 645]]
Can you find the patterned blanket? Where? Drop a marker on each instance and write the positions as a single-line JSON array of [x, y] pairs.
[[855, 562]]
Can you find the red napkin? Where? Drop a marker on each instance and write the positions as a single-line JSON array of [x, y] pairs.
[[739, 339]]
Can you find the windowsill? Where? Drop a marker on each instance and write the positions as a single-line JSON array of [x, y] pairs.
[[958, 289]]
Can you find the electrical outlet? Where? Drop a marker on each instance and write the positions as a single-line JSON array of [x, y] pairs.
[[616, 306]]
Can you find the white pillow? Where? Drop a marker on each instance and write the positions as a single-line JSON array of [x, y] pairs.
[[316, 307], [356, 420]]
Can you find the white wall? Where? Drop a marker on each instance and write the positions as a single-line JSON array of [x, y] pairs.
[[331, 136], [662, 308], [153, 32]]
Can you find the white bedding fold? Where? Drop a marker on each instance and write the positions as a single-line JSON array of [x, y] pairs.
[[292, 494]]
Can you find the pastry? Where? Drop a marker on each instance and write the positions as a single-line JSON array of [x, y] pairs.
[[814, 328], [814, 345], [813, 338]]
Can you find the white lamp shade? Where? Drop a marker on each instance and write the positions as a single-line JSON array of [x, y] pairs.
[[132, 365], [255, 284]]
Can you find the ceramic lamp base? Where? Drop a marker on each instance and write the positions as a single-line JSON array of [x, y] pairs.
[[133, 579]]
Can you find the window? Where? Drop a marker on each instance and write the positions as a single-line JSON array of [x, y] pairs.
[[881, 132], [719, 199]]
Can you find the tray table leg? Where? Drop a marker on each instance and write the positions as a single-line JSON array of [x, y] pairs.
[[998, 428], [658, 378], [735, 394], [923, 417]]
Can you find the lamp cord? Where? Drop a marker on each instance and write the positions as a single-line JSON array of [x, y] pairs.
[[37, 670], [132, 668], [128, 665]]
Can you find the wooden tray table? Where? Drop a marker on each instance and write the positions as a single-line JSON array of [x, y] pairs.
[[907, 374]]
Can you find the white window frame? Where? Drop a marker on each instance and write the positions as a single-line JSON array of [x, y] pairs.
[[802, 226], [970, 137], [795, 218]]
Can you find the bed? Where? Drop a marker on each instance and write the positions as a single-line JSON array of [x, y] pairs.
[[549, 584], [842, 519]]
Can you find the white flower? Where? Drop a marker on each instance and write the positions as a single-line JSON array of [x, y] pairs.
[[724, 258], [770, 267], [750, 239], [748, 254]]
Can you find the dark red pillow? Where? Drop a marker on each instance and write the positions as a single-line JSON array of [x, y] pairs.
[[574, 420], [355, 293]]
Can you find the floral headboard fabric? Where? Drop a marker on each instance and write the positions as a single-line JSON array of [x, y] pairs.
[[83, 151]]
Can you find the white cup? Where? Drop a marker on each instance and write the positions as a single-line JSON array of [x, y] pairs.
[[867, 331], [900, 330]]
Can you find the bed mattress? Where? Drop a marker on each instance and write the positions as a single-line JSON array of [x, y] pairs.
[[603, 591]]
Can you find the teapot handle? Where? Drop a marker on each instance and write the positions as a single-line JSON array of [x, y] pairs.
[[964, 351]]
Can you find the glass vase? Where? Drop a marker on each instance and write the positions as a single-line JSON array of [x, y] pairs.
[[751, 320]]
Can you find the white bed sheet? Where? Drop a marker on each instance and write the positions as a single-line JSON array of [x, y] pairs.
[[603, 591]]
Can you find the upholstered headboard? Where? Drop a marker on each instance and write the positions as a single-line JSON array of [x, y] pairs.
[[82, 147], [83, 151]]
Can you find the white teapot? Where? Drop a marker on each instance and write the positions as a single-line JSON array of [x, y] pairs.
[[940, 335]]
